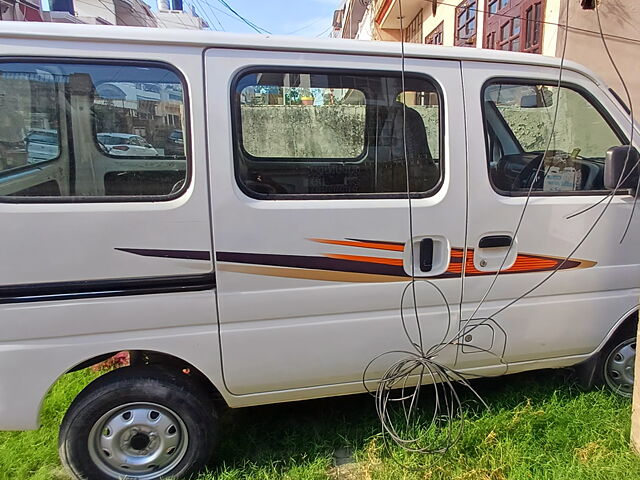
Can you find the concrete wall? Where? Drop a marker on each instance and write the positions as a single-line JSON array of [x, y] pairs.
[[365, 29], [303, 131], [176, 19], [316, 131], [114, 12], [134, 13], [104, 9], [550, 30], [576, 127], [620, 18], [387, 35], [338, 131]]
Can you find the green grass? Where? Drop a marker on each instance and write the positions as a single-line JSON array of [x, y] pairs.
[[539, 426]]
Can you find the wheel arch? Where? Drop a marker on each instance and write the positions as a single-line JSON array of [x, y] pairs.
[[148, 357], [586, 371], [628, 323]]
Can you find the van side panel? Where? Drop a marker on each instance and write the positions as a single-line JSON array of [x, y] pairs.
[[81, 279], [50, 338], [66, 240]]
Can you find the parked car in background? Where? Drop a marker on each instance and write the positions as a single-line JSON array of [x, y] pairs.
[[42, 145], [175, 144], [126, 145]]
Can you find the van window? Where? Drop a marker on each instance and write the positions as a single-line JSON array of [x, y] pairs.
[[519, 119], [321, 133], [91, 130]]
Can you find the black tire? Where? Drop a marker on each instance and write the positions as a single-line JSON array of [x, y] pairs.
[[179, 399], [614, 367]]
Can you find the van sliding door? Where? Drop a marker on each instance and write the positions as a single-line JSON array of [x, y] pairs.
[[311, 217]]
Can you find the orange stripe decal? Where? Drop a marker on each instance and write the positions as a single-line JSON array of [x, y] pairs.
[[363, 268], [524, 263]]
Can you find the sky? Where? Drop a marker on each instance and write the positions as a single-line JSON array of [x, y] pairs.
[[308, 18]]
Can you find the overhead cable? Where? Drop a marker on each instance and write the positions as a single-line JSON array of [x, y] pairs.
[[243, 19]]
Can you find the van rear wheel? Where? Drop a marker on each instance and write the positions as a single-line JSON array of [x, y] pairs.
[[141, 423]]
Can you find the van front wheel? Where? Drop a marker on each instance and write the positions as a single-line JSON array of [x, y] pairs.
[[618, 367], [138, 423]]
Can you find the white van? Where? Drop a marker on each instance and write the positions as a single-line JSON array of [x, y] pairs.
[[267, 262]]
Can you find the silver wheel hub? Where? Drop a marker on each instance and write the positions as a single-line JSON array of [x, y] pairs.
[[619, 368], [138, 440]]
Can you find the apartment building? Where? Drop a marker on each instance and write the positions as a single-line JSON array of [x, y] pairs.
[[21, 10], [518, 25], [347, 20], [136, 13]]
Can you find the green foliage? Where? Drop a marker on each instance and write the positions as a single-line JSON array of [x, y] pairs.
[[539, 427], [34, 455]]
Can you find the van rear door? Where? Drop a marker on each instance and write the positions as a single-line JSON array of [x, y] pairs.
[[311, 217]]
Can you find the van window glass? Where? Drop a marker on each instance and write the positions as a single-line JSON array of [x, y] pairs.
[[519, 124], [298, 133], [311, 133], [91, 130]]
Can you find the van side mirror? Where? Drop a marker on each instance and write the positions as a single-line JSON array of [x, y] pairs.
[[615, 170]]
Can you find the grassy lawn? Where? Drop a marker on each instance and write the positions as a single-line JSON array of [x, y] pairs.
[[539, 426]]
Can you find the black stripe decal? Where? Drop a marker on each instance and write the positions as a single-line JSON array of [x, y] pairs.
[[181, 254], [43, 292], [316, 263], [381, 242]]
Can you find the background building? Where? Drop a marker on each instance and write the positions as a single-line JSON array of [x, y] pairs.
[[21, 10], [134, 13], [101, 12], [347, 19], [518, 25], [172, 14]]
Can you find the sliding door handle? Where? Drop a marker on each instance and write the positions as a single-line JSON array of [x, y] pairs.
[[493, 241]]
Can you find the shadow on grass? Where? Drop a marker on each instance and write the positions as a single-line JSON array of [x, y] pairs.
[[277, 437]]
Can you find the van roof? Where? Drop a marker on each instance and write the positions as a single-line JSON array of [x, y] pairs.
[[205, 38]]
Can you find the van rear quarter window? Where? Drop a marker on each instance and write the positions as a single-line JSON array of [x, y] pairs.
[[92, 131], [320, 133]]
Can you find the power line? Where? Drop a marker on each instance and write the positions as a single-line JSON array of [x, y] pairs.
[[222, 12], [215, 16], [201, 12], [205, 9], [631, 113], [324, 31], [306, 26], [248, 22]]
